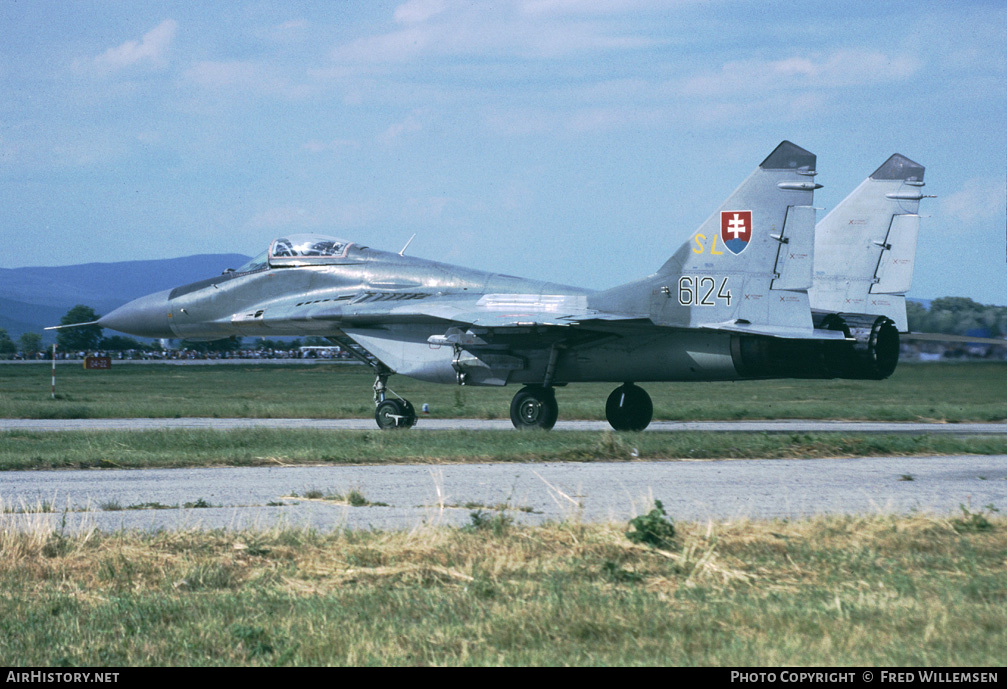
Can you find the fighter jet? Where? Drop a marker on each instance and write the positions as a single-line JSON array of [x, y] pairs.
[[755, 292]]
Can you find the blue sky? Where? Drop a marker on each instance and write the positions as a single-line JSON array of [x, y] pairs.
[[580, 141]]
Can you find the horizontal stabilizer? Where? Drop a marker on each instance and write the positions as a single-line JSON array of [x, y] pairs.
[[776, 331]]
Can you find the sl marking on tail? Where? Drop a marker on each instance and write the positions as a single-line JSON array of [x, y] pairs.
[[736, 230], [699, 248]]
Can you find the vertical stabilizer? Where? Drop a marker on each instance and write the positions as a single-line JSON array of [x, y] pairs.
[[758, 247], [865, 248]]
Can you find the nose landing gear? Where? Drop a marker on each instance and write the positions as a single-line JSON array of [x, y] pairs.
[[391, 413]]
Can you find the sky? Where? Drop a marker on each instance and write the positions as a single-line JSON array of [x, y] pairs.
[[579, 141]]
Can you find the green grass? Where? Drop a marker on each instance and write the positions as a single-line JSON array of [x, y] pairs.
[[838, 591], [931, 392], [269, 447], [352, 497]]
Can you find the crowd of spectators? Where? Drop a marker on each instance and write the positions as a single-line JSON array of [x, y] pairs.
[[333, 353]]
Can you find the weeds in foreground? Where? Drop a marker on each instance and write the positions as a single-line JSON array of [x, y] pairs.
[[654, 528], [352, 497], [837, 591], [974, 521], [496, 523]]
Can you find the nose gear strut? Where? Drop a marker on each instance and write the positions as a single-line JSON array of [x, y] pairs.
[[388, 413]]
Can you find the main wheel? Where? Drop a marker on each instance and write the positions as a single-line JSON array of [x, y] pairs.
[[629, 408], [534, 407], [395, 414]]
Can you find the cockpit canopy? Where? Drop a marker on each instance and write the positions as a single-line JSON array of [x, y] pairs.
[[299, 250], [307, 246]]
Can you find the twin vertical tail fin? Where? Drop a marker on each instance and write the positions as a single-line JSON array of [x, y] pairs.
[[756, 252], [865, 248]]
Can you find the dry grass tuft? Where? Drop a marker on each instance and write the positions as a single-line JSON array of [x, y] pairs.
[[828, 590]]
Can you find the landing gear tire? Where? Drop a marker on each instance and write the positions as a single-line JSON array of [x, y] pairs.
[[629, 408], [392, 414], [534, 407]]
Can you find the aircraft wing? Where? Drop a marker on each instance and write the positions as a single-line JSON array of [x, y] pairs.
[[498, 312], [523, 310], [485, 311]]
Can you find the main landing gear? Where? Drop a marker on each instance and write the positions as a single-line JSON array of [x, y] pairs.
[[391, 413], [534, 407], [629, 408]]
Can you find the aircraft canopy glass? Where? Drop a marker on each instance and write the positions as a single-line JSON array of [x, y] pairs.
[[306, 249], [257, 263]]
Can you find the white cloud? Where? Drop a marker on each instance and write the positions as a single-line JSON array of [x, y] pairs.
[[285, 32], [212, 75], [252, 77], [428, 209], [322, 217], [441, 28], [419, 10], [152, 49], [979, 200], [844, 68], [569, 7], [332, 146], [397, 130]]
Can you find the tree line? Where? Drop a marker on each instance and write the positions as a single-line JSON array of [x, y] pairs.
[[957, 316]]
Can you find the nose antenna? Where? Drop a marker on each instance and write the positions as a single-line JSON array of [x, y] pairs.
[[71, 325]]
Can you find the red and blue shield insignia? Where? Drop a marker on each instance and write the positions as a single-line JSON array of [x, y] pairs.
[[736, 229]]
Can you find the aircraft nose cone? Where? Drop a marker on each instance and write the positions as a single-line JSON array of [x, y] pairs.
[[144, 317]]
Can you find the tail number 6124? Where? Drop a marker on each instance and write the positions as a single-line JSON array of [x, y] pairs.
[[696, 290]]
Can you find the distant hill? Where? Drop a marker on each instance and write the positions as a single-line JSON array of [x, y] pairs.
[[32, 298]]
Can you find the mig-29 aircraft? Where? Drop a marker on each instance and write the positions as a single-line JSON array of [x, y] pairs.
[[756, 292]]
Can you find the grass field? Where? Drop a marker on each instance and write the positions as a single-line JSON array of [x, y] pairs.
[[931, 392], [875, 591], [869, 591], [267, 447]]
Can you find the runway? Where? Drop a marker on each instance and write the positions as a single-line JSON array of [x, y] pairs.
[[262, 497], [418, 495], [432, 424]]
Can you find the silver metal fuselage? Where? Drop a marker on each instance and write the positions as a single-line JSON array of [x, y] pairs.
[[367, 296]]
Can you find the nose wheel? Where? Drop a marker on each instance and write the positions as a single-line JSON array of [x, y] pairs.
[[534, 407], [391, 413], [629, 408]]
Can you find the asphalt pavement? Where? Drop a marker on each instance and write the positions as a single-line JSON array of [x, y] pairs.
[[420, 495]]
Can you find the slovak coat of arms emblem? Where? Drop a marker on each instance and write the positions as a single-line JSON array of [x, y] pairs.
[[736, 229]]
